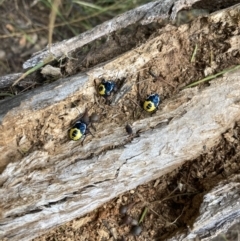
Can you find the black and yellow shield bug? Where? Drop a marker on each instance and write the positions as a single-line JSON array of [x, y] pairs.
[[151, 103], [105, 88], [78, 131], [81, 127]]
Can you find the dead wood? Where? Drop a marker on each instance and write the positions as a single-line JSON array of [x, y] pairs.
[[158, 11], [8, 80], [48, 180], [220, 209]]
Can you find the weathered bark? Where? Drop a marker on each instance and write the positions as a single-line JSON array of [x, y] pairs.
[[220, 209], [151, 12], [42, 190], [158, 11], [48, 180], [7, 80]]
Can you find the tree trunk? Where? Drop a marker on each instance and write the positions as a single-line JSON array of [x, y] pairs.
[[47, 180]]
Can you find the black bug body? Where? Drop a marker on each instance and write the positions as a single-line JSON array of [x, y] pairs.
[[105, 88], [151, 103], [81, 127]]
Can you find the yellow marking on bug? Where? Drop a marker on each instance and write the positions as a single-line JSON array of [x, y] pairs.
[[75, 134], [101, 89], [148, 106]]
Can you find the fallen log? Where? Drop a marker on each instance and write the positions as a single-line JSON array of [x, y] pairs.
[[47, 179]]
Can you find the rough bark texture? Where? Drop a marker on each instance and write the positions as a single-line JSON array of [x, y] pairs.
[[48, 180], [158, 11], [220, 209], [42, 190]]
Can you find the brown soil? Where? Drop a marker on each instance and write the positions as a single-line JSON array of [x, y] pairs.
[[170, 200]]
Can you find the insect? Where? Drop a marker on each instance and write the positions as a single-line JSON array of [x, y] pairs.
[[151, 103], [106, 88], [80, 129], [129, 129]]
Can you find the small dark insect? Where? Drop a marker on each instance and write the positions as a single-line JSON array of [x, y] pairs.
[[129, 129], [123, 209], [151, 103], [136, 230]]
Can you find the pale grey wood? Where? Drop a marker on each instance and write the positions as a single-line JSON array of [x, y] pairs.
[[66, 185], [220, 209], [44, 96], [7, 80]]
